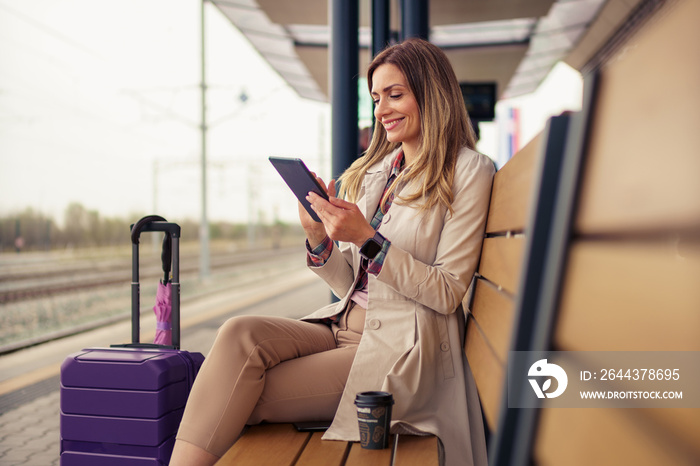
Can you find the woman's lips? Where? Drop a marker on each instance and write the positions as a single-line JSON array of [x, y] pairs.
[[391, 124]]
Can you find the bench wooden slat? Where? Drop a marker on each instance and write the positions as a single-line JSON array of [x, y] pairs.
[[282, 444], [629, 183], [512, 191], [489, 373], [418, 451], [578, 437], [501, 260], [278, 444], [493, 311], [323, 452], [680, 425], [362, 457], [630, 296]]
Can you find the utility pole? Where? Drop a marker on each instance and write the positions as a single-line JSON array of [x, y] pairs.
[[204, 223], [253, 219]]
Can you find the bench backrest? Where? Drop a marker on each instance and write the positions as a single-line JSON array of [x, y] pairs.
[[631, 279], [618, 264], [517, 228], [490, 312]]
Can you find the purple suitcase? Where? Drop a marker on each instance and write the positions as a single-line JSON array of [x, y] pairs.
[[122, 405]]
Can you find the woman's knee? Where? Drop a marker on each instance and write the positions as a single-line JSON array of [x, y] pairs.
[[246, 328], [236, 326], [237, 335], [250, 331]]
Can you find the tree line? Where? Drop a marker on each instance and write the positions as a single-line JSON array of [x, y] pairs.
[[31, 230]]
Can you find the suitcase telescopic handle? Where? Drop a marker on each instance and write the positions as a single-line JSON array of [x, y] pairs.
[[171, 252], [167, 252]]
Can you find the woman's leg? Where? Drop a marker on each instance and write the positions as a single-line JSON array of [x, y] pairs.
[[301, 389], [309, 388], [305, 389], [233, 376], [187, 454]]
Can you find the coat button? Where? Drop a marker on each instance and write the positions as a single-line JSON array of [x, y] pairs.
[[386, 218], [444, 346], [374, 324]]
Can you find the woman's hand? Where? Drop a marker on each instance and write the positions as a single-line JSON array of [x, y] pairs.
[[315, 232], [342, 220]]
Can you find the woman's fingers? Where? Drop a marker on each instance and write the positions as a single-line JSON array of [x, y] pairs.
[[343, 220]]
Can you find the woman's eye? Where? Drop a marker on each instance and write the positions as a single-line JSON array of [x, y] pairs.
[[392, 97]]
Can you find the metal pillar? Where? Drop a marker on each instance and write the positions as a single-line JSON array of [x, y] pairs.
[[414, 19], [344, 51], [204, 223], [380, 26]]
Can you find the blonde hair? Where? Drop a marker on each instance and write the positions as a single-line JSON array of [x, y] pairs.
[[445, 127]]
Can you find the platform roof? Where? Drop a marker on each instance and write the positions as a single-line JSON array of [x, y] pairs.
[[514, 43]]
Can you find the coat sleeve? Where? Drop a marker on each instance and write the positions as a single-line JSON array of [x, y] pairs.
[[337, 272], [441, 286]]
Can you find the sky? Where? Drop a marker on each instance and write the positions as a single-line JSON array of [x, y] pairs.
[[100, 105], [100, 101]]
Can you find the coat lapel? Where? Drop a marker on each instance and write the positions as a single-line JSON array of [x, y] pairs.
[[375, 181]]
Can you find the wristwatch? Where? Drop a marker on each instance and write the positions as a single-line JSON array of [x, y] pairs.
[[372, 246]]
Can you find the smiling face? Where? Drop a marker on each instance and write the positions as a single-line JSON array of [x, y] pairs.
[[396, 108]]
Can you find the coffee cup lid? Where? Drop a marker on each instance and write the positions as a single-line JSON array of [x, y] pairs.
[[374, 397]]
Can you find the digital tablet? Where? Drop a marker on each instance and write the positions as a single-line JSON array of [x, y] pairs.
[[300, 180], [312, 426]]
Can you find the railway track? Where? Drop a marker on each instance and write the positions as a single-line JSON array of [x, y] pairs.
[[34, 282]]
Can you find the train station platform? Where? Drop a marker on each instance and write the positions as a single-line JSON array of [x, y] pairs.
[[29, 379]]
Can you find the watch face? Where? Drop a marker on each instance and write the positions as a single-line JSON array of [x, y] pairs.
[[371, 248]]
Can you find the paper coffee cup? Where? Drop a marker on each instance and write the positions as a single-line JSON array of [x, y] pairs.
[[374, 418]]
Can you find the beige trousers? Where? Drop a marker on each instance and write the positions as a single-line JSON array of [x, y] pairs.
[[270, 369]]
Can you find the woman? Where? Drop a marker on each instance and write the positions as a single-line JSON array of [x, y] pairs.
[[399, 248]]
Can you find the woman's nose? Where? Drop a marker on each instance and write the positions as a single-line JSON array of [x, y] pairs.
[[380, 109]]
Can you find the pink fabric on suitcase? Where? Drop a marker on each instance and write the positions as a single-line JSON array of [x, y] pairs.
[[163, 310]]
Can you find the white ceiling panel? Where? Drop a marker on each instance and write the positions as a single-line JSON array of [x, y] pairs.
[[514, 43]]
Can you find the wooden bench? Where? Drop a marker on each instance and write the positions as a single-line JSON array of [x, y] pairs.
[[282, 444], [631, 270], [621, 266], [501, 298]]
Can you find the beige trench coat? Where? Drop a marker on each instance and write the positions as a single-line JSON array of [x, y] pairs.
[[412, 341]]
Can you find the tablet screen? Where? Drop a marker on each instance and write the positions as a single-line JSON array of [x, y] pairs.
[[300, 180]]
